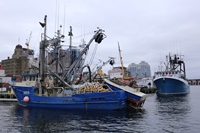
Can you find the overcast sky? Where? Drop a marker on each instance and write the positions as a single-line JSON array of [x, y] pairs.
[[147, 30]]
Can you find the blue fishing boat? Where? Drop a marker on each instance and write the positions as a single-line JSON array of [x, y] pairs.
[[134, 98], [65, 98], [58, 87], [172, 79]]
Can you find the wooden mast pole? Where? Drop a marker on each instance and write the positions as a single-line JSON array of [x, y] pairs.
[[121, 61]]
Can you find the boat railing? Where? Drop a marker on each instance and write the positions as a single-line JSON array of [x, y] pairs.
[[55, 92], [168, 73]]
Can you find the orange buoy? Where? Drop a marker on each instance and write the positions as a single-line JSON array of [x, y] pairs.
[[26, 99]]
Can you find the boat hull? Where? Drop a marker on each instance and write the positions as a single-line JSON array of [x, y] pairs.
[[171, 86], [105, 100], [134, 99]]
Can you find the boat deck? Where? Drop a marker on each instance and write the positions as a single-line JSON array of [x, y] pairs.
[[127, 88], [7, 97], [8, 100]]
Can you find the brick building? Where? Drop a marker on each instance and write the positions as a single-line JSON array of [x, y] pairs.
[[18, 64]]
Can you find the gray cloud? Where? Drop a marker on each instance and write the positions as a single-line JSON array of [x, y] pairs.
[[146, 30]]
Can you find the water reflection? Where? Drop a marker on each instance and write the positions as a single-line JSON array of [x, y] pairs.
[[173, 112], [173, 104], [57, 120], [160, 114], [3, 104]]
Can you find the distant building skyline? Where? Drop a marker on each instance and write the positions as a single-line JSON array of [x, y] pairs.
[[140, 70]]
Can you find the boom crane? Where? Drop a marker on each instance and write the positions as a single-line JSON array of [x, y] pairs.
[[27, 43]]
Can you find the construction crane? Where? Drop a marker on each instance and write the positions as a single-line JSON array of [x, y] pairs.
[[121, 61], [27, 43]]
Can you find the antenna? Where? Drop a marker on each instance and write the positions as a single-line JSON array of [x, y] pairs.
[[56, 15], [18, 40], [64, 22], [58, 18]]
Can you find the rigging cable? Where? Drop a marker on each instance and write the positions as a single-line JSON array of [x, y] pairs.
[[93, 54]]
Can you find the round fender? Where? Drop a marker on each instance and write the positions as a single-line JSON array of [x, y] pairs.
[[26, 99]]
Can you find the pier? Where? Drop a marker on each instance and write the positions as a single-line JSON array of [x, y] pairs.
[[147, 90], [8, 97], [194, 81]]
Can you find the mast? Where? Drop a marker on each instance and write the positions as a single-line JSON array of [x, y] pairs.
[[121, 61], [43, 66], [70, 44], [57, 50], [42, 57]]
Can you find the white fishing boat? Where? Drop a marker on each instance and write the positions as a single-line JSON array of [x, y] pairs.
[[172, 80]]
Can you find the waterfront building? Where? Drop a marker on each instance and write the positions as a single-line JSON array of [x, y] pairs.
[[5, 81], [23, 60], [4, 78], [19, 63], [116, 72], [16, 65], [140, 70]]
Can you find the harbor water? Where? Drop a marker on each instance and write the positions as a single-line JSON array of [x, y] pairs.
[[177, 114]]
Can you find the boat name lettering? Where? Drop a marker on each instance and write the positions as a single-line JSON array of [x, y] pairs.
[[26, 92]]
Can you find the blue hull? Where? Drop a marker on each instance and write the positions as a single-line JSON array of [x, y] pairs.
[[105, 100], [171, 86], [133, 100]]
